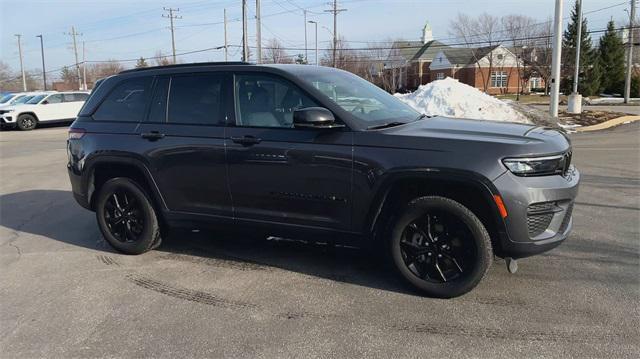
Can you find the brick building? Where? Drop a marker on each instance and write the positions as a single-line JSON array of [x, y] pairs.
[[494, 68]]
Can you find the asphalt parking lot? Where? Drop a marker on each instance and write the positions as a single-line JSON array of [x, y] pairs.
[[65, 293]]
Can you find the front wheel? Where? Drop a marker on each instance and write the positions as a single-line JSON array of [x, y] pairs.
[[26, 122], [126, 216], [440, 247]]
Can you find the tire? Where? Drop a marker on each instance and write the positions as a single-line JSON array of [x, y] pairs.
[[447, 259], [26, 122], [126, 216]]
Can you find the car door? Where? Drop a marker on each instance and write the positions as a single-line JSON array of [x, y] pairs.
[[51, 108], [72, 104], [281, 174], [184, 137]]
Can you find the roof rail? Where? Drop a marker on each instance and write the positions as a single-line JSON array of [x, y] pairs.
[[193, 64]]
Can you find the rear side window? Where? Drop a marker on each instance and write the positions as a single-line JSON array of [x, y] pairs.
[[75, 97], [127, 102], [196, 99]]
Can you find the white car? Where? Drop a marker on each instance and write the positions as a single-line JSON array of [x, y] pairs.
[[47, 107], [19, 98]]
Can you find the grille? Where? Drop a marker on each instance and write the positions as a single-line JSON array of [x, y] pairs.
[[541, 207], [566, 219], [538, 223]]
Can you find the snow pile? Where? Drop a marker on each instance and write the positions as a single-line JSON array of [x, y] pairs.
[[451, 98]]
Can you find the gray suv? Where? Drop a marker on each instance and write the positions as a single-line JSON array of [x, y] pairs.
[[320, 154]]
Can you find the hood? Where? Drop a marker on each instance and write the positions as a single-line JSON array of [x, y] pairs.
[[453, 135]]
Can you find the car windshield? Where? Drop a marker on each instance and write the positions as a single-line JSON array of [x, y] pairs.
[[22, 99], [35, 99], [360, 97], [6, 98]]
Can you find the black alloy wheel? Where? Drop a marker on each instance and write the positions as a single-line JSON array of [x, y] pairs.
[[440, 247], [123, 215], [126, 216]]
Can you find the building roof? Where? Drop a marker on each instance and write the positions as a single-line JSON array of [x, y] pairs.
[[463, 56], [403, 50], [429, 50]]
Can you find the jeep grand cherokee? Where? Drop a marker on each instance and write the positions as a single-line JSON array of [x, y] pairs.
[[317, 153]]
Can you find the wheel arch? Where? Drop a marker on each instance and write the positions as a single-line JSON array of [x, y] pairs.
[[100, 169], [28, 113], [469, 188]]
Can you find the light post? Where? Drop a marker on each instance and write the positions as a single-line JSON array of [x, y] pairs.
[[44, 73], [316, 26]]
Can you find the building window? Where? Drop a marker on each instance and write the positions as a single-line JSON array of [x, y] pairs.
[[535, 83], [439, 76], [499, 79]]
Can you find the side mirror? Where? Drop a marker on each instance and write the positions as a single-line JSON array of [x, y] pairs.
[[45, 102], [314, 117]]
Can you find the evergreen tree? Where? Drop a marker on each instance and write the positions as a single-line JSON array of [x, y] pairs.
[[611, 59], [589, 76], [141, 63], [300, 60]]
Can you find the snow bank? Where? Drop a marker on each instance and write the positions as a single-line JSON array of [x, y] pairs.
[[451, 98]]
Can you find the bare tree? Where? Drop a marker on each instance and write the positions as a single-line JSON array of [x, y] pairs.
[[274, 53], [161, 59], [481, 30], [537, 56], [516, 28]]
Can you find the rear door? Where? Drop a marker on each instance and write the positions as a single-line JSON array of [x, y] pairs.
[[184, 136], [72, 104]]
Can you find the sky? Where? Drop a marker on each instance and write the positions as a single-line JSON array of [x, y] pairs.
[[127, 30]]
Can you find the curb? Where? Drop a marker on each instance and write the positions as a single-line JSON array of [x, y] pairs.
[[608, 124]]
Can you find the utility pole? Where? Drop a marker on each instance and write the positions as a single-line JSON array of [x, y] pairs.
[[24, 79], [316, 24], [245, 43], [627, 81], [575, 100], [44, 73], [226, 49], [258, 34], [84, 69], [171, 16], [75, 52], [306, 56], [555, 60], [335, 11]]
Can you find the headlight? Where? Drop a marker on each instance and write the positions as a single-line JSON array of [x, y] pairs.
[[538, 166]]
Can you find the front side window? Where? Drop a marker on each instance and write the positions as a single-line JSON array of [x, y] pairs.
[[499, 79], [195, 99], [127, 102], [365, 101], [267, 101]]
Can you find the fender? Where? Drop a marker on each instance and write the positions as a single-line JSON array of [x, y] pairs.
[[447, 175], [123, 159]]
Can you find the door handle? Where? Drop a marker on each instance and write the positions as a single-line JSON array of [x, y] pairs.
[[246, 140], [152, 136]]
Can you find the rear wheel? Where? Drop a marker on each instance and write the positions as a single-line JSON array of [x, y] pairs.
[[126, 216], [26, 122], [440, 247]]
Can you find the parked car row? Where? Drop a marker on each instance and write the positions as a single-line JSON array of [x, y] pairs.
[[25, 110]]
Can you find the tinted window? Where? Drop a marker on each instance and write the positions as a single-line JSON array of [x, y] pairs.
[[158, 108], [267, 101], [126, 102], [75, 97], [196, 99], [54, 99]]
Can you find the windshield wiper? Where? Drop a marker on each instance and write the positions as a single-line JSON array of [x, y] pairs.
[[422, 116], [386, 125]]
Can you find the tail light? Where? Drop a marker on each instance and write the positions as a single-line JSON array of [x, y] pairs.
[[76, 133]]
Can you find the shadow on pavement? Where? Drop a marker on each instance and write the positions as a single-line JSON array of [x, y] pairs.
[[55, 214]]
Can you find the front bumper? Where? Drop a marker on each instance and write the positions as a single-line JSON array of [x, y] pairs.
[[539, 212]]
